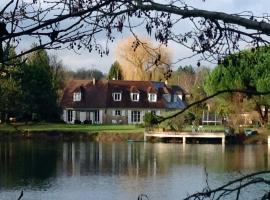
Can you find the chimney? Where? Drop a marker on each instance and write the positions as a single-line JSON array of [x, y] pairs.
[[94, 81]]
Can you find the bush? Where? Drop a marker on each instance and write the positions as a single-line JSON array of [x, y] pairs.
[[87, 122], [149, 120], [77, 121], [189, 118]]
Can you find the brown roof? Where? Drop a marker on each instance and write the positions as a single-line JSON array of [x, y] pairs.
[[94, 96], [134, 89], [151, 89], [99, 95], [132, 86]]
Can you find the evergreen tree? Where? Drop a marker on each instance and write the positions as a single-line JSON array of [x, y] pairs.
[[39, 94], [115, 72]]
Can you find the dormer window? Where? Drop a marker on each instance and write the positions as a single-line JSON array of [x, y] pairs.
[[135, 96], [117, 96], [152, 97], [77, 96]]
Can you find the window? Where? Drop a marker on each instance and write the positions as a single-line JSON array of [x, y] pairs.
[[117, 96], [117, 113], [96, 116], [77, 115], [153, 112], [152, 97], [69, 115], [135, 96], [135, 116], [77, 96]]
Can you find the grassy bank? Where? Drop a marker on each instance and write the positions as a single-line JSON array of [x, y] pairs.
[[52, 131], [44, 127]]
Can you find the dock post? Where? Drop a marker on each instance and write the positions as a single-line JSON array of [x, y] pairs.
[[184, 140], [223, 140], [144, 137]]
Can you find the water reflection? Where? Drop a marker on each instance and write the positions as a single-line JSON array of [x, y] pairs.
[[38, 165]]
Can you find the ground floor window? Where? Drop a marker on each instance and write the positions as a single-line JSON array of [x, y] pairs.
[[153, 112], [117, 113], [77, 115], [69, 115], [135, 116], [96, 116]]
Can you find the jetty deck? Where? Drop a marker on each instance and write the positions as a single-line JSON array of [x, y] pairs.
[[185, 135]]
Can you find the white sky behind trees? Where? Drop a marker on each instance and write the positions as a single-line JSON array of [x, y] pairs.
[[93, 60]]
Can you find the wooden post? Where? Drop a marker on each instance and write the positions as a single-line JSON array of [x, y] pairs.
[[184, 140], [223, 141], [144, 136]]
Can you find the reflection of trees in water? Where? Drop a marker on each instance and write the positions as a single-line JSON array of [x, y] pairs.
[[35, 162], [26, 162], [138, 159]]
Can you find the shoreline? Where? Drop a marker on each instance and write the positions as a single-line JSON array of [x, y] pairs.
[[110, 137]]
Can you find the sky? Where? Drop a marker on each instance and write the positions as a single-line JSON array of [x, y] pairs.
[[92, 60]]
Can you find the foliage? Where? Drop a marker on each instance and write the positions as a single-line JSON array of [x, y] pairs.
[[83, 73], [175, 124], [39, 94], [149, 119], [185, 77], [10, 96], [235, 72], [189, 117], [140, 59], [115, 71], [213, 34]]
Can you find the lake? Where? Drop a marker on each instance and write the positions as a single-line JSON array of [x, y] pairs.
[[86, 170]]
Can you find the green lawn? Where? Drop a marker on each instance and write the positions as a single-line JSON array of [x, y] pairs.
[[71, 127]]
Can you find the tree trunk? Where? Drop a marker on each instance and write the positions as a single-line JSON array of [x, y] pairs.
[[263, 114]]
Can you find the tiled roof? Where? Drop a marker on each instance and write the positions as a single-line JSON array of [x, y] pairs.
[[136, 87], [94, 95], [99, 94]]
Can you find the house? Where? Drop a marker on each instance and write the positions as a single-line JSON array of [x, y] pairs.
[[118, 101]]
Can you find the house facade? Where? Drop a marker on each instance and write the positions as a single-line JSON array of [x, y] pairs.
[[117, 101]]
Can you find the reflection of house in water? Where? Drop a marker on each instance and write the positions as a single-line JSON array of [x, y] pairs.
[[98, 158]]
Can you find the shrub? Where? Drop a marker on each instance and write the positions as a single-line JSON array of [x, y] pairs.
[[149, 119], [189, 118], [87, 122], [77, 121]]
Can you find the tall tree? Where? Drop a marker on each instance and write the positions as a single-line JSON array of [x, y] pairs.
[[238, 73], [39, 94], [185, 77], [10, 88], [141, 60], [115, 71]]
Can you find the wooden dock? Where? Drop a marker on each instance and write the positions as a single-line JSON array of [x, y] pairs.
[[185, 135]]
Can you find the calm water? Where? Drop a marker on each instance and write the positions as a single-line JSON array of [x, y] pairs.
[[85, 170]]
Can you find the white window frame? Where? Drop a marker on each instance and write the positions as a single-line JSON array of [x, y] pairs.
[[135, 96], [69, 115], [152, 97], [117, 113], [135, 116], [117, 96], [77, 96]]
